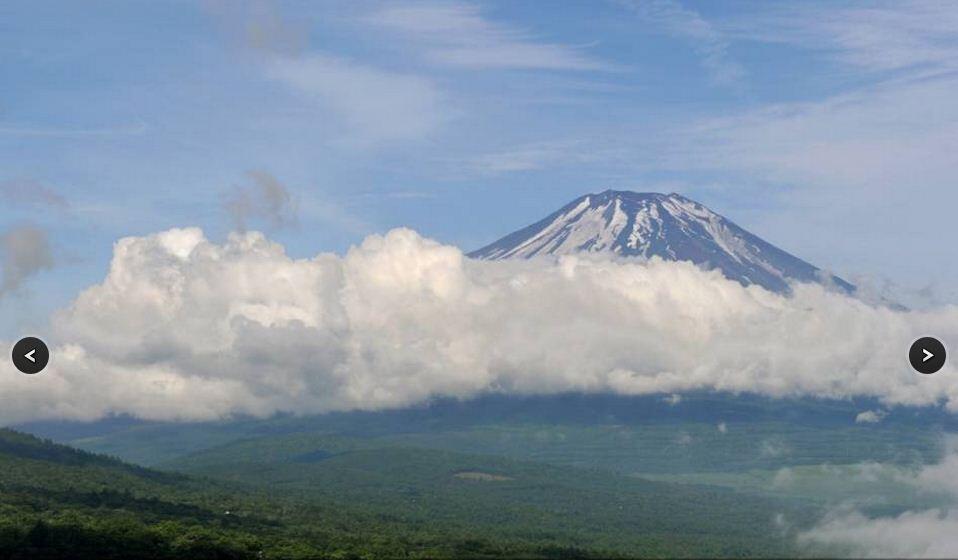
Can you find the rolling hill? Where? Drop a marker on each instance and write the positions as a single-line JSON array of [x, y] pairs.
[[59, 502], [309, 496]]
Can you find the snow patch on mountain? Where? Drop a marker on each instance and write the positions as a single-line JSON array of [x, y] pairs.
[[669, 226]]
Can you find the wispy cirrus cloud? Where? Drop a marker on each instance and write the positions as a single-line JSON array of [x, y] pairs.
[[361, 103], [686, 24], [533, 156], [871, 170], [835, 143], [868, 149], [875, 36], [373, 105], [458, 34], [887, 142]]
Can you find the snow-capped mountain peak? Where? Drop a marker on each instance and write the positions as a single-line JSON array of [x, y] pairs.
[[670, 226]]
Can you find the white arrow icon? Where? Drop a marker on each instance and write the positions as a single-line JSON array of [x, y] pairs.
[[29, 355], [928, 355]]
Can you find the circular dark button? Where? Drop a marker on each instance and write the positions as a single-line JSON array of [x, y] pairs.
[[927, 355], [30, 355]]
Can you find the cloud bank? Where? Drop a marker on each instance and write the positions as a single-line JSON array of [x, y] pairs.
[[184, 328]]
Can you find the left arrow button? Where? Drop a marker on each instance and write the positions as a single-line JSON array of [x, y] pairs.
[[30, 355]]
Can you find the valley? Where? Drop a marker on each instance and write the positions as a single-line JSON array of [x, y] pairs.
[[712, 475]]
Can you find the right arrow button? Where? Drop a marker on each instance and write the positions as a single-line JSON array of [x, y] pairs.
[[927, 355]]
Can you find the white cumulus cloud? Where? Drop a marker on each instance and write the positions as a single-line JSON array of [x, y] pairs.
[[185, 328]]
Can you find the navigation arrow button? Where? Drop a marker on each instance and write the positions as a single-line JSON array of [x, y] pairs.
[[927, 355], [30, 355]]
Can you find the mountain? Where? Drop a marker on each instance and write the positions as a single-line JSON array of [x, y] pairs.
[[669, 226]]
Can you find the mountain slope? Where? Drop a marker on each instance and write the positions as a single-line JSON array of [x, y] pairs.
[[670, 226], [58, 502]]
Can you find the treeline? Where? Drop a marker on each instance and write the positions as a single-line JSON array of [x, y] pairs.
[[108, 538]]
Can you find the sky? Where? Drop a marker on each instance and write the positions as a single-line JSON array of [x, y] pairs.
[[826, 128]]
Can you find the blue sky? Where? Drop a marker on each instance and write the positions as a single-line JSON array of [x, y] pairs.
[[827, 128]]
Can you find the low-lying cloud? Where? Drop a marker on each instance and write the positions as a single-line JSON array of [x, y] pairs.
[[928, 533], [870, 417], [183, 328]]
